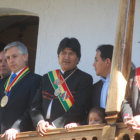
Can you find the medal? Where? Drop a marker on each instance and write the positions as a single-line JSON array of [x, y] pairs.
[[57, 91], [4, 101], [58, 82]]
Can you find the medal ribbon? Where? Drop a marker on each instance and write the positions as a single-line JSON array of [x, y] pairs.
[[138, 77], [9, 86], [65, 96]]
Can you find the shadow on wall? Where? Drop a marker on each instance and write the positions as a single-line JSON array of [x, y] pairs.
[[18, 25]]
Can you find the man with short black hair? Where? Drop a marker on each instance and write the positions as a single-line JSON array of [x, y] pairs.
[[64, 94], [102, 65]]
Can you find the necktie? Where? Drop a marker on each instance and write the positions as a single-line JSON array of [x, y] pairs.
[[12, 77]]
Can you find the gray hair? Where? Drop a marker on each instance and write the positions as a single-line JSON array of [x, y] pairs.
[[21, 47]]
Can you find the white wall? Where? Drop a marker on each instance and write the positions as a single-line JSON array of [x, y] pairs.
[[136, 36], [92, 22]]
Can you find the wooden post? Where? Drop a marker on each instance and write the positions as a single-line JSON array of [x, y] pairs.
[[121, 59], [120, 68]]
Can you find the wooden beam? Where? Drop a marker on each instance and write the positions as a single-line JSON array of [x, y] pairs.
[[121, 59], [87, 132]]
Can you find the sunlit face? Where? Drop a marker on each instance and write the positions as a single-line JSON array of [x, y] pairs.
[[16, 61], [102, 67], [94, 118], [68, 59], [4, 69]]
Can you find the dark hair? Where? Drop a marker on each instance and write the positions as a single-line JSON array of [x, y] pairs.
[[100, 111], [132, 70], [2, 45], [71, 43], [106, 51]]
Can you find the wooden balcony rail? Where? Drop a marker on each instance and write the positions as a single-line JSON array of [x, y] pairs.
[[87, 132]]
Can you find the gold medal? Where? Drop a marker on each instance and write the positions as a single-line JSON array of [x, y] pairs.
[[4, 101], [57, 91], [58, 82]]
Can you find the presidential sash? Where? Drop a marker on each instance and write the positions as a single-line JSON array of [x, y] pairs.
[[9, 86], [138, 77], [61, 89]]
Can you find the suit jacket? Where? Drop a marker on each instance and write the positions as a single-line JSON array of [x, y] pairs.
[[80, 85], [96, 94], [16, 113], [131, 103]]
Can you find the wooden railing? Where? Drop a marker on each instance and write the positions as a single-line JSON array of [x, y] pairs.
[[92, 132]]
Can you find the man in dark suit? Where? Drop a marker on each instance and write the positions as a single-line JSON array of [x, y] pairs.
[[4, 69], [64, 94], [102, 65], [17, 92]]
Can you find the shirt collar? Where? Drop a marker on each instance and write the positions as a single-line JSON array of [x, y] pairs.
[[105, 79], [67, 72], [62, 71], [17, 72]]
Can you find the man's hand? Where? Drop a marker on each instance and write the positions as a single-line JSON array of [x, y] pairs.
[[42, 127], [137, 122], [71, 125], [129, 121], [10, 134]]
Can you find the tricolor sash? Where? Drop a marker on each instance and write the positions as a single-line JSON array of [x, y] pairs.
[[138, 77], [61, 89], [9, 86]]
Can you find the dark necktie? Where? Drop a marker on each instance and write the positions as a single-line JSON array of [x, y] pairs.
[[12, 77]]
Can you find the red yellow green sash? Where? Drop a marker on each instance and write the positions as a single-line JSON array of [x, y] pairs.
[[65, 95], [138, 77], [9, 86]]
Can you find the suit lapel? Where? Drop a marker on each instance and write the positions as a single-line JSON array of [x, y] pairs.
[[100, 89], [16, 87]]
